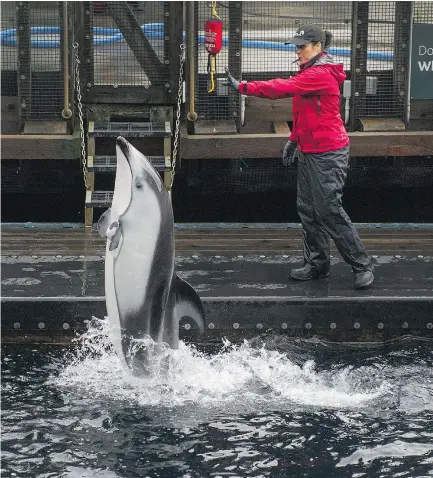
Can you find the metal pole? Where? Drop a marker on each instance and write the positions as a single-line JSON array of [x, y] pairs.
[[192, 115], [409, 68], [66, 113]]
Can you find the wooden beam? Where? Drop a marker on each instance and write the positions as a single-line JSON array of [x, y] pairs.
[[281, 127], [269, 110], [132, 95], [137, 41], [374, 144], [41, 146]]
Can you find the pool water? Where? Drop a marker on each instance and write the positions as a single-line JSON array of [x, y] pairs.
[[274, 407]]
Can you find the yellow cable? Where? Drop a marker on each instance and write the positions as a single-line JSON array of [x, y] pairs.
[[214, 10], [212, 72], [213, 57]]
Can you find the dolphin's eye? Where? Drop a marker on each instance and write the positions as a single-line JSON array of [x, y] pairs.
[[138, 185]]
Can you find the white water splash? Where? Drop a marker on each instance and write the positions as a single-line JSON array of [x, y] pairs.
[[237, 374]]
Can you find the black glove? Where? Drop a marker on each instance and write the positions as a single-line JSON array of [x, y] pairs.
[[290, 152], [231, 81]]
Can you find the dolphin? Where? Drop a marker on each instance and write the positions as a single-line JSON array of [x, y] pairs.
[[144, 296]]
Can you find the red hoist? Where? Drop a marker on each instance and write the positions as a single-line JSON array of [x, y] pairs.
[[213, 40]]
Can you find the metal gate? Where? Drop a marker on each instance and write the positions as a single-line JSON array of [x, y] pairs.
[[130, 50], [129, 53], [371, 40], [32, 57]]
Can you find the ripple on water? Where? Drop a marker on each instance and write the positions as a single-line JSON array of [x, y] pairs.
[[247, 410]]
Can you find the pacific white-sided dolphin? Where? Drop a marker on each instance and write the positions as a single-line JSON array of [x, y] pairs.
[[143, 294]]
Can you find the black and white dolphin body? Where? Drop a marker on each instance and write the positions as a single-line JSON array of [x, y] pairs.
[[144, 296]]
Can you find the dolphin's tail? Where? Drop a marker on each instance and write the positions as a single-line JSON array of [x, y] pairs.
[[188, 303]]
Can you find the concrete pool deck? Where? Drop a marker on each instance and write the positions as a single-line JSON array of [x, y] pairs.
[[53, 283]]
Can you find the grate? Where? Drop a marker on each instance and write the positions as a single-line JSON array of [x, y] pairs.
[[265, 28], [108, 163], [382, 88], [45, 62], [132, 129], [34, 177], [8, 51], [211, 106], [423, 12], [239, 176], [114, 62], [99, 198], [267, 25]]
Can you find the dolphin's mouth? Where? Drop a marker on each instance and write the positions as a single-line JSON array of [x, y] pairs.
[[124, 146], [123, 182]]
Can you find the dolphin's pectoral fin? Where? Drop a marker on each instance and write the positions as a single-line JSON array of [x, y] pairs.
[[188, 303], [114, 232], [104, 222]]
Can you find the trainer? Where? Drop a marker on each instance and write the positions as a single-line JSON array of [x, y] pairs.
[[321, 144]]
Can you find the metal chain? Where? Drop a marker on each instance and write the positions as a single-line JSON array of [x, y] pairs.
[[177, 127], [80, 115]]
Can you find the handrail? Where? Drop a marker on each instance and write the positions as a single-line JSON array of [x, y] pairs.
[[67, 112], [192, 115]]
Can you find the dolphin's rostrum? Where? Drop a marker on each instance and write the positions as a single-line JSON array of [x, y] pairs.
[[144, 296]]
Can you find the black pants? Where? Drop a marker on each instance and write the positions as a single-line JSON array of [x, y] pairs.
[[321, 177]]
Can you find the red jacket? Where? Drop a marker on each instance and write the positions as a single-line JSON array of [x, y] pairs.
[[317, 124]]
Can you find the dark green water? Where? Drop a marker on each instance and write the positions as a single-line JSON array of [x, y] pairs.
[[292, 409]]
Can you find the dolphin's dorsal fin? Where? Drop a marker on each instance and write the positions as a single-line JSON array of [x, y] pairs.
[[104, 222], [188, 303]]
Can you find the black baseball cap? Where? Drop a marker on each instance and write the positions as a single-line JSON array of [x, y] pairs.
[[306, 34]]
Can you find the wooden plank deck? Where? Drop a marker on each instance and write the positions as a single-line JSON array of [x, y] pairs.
[[79, 241]]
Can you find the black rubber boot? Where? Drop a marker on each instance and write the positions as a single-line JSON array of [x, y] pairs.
[[363, 279], [309, 272]]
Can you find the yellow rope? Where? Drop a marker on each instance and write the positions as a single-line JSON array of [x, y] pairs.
[[213, 57], [214, 10], [212, 73]]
